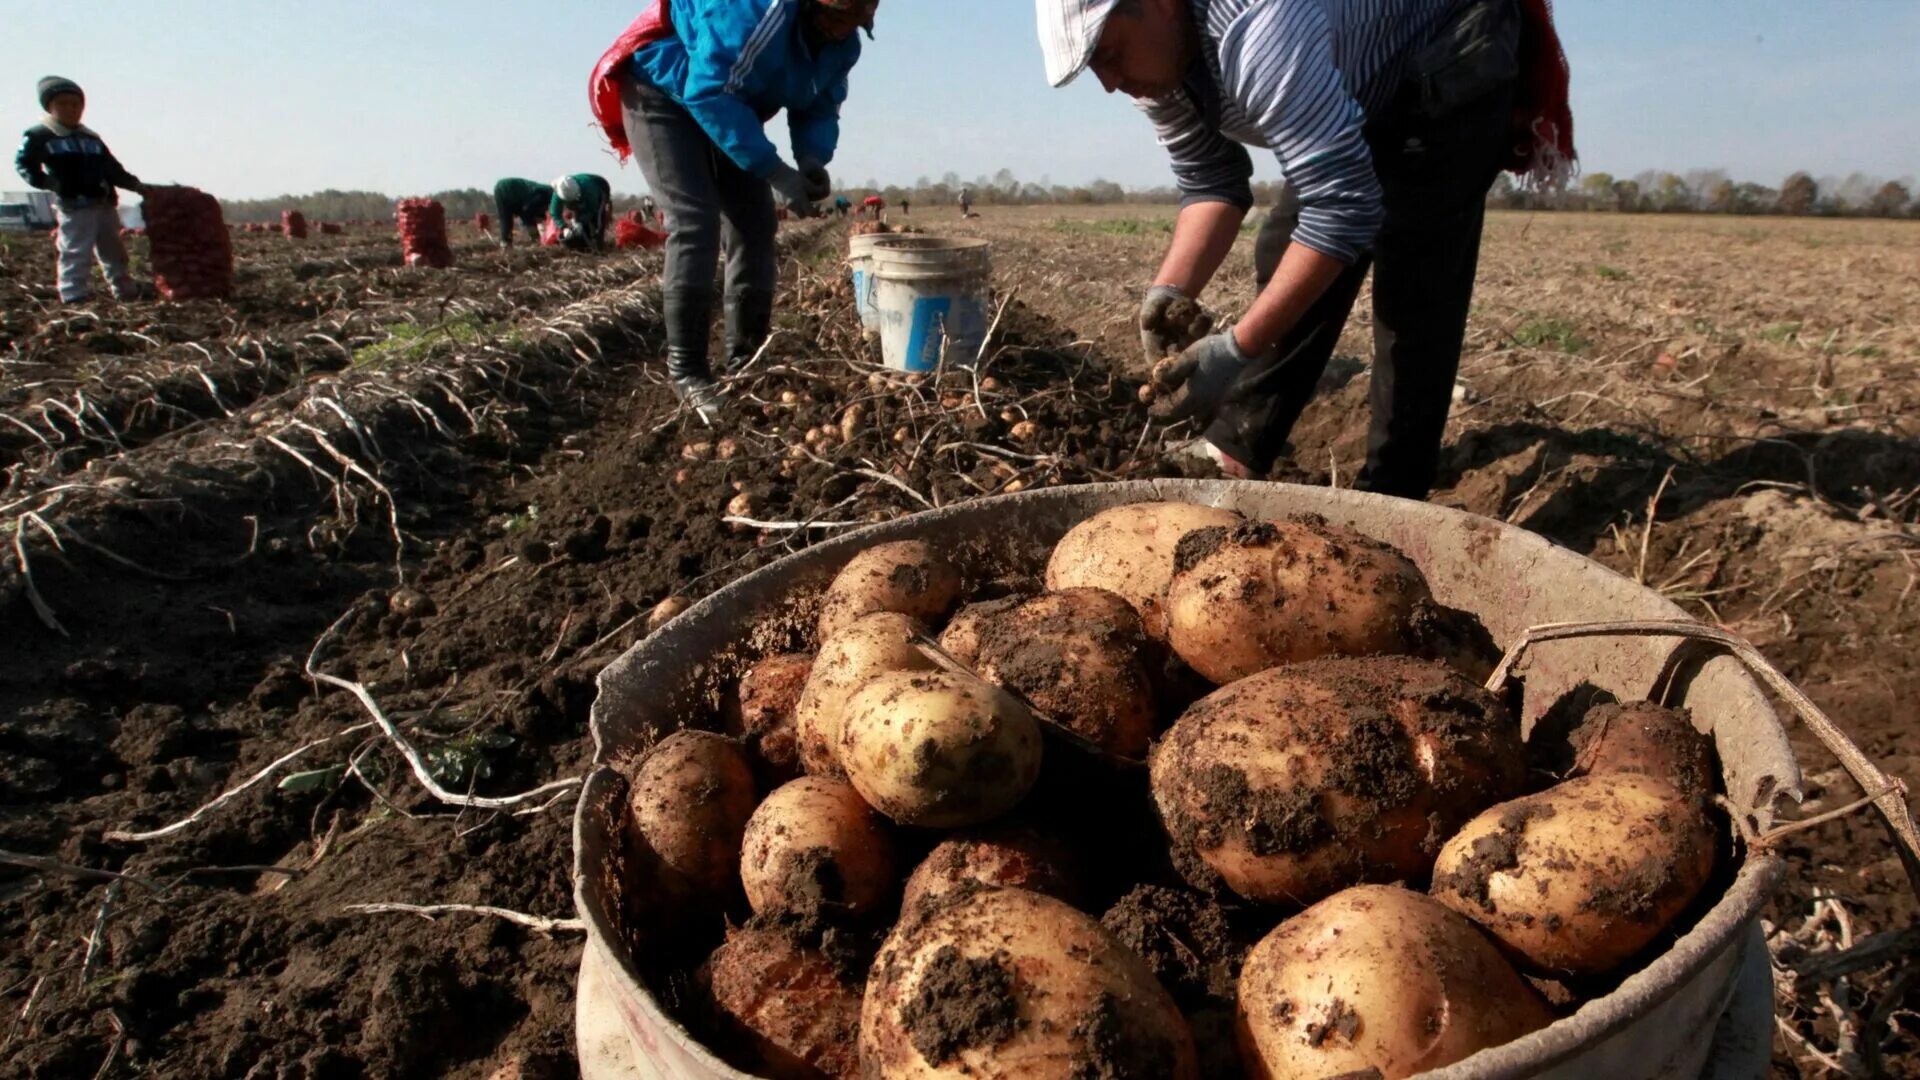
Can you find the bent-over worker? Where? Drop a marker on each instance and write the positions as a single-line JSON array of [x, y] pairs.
[[523, 201], [1390, 119], [690, 97], [582, 209]]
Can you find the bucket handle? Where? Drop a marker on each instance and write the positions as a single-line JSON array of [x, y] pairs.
[[1888, 794]]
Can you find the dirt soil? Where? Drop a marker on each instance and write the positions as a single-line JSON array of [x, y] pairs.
[[465, 491]]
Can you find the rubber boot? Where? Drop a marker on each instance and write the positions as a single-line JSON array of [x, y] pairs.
[[689, 321], [749, 321]]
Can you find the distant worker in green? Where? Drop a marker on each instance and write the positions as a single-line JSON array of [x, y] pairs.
[[582, 209], [520, 200]]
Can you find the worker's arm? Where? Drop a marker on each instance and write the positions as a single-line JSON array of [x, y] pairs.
[[30, 163], [118, 174], [816, 127], [1203, 234], [720, 38]]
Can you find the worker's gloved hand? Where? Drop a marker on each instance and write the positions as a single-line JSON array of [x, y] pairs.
[[1195, 384], [819, 183], [1170, 321], [790, 190]]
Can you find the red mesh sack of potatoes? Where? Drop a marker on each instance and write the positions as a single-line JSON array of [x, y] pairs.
[[423, 233], [328, 228], [192, 253], [483, 221], [294, 224], [631, 232]]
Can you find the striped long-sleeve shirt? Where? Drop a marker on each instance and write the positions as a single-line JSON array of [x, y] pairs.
[[1298, 77]]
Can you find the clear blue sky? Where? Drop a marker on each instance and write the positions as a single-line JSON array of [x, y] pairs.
[[404, 96]]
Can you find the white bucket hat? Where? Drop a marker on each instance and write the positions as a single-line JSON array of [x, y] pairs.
[[1069, 30]]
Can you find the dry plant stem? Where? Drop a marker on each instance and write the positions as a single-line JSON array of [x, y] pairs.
[[1891, 802], [230, 794], [1646, 535], [54, 866], [432, 911]]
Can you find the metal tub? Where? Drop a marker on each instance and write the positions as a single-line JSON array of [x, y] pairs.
[[1703, 1009]]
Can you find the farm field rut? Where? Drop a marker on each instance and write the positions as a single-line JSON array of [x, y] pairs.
[[465, 491]]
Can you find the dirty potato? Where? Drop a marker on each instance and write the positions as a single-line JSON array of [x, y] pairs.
[[1583, 875], [1261, 594], [1303, 780], [792, 1005], [1377, 981], [761, 711], [998, 984], [939, 749], [691, 798], [813, 846], [872, 645], [1075, 654], [906, 576], [1009, 856], [1128, 550]]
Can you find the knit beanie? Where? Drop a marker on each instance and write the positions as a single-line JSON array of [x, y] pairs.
[[53, 86]]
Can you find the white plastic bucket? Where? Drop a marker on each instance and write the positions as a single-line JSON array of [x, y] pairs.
[[931, 298], [860, 263]]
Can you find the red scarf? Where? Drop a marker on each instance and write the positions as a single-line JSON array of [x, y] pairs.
[[1543, 150], [603, 89]]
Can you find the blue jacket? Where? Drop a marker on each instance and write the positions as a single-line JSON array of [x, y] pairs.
[[733, 64]]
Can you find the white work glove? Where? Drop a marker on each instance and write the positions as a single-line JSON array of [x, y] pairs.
[[790, 190]]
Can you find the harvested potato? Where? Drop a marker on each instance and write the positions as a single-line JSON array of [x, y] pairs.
[[1581, 876], [761, 713], [814, 846], [1303, 780], [1009, 856], [906, 576], [796, 1008], [691, 799], [1075, 654], [1262, 594], [1128, 551], [1648, 740], [872, 645], [939, 749], [997, 984], [1382, 979]]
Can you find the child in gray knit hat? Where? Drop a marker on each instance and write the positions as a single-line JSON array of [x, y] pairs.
[[63, 156]]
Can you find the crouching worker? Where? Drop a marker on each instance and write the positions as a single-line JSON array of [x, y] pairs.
[[523, 201], [688, 96], [582, 209], [63, 156]]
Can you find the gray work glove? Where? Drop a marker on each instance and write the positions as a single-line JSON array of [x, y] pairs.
[[819, 183], [1195, 384], [1170, 321], [790, 190]]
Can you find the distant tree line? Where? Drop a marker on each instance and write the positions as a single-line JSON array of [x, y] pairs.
[[332, 205], [1709, 191], [1712, 191]]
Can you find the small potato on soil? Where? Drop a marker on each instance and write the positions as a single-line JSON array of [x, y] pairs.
[[1580, 877], [907, 576], [1128, 550], [1378, 978], [998, 984], [1075, 654], [813, 846], [761, 713], [691, 798], [1267, 593], [1647, 740], [1303, 780], [873, 645], [794, 1006], [939, 749], [1008, 856]]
